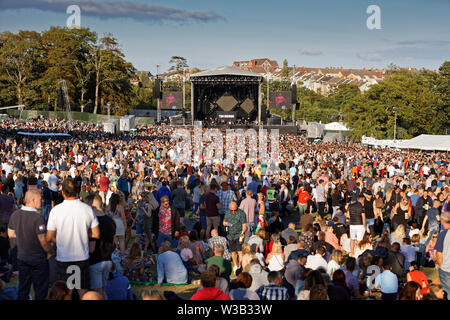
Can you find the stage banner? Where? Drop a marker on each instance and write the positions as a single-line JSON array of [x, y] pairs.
[[226, 115], [172, 100], [280, 100]]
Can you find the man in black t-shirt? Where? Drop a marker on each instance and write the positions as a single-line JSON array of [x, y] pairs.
[[368, 210], [100, 262], [28, 227], [357, 219]]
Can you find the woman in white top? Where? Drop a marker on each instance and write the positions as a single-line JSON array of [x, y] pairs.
[[363, 245], [345, 242], [275, 259], [335, 262], [118, 214]]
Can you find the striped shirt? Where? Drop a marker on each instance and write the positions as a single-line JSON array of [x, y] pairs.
[[272, 292]]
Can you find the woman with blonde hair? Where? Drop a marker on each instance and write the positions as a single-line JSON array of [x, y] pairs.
[[335, 261], [275, 259], [398, 234], [247, 255], [261, 209]]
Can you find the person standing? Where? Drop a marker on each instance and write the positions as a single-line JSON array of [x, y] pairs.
[[321, 198], [248, 205], [235, 221], [33, 250], [53, 185], [103, 184], [442, 248], [70, 225], [303, 197], [357, 219], [212, 205], [179, 197], [284, 199], [7, 206], [226, 196], [166, 224], [100, 262]]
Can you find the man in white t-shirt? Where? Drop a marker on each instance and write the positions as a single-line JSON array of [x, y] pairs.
[[318, 260], [70, 226]]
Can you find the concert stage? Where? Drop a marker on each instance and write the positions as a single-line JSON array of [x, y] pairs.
[[226, 93]]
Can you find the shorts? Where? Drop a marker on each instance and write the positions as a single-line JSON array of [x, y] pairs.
[[99, 274], [64, 273], [139, 229], [120, 228], [147, 225], [357, 232], [235, 246]]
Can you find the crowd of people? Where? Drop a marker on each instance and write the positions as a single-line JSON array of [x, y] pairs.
[[99, 212]]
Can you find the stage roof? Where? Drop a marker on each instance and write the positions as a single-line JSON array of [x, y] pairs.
[[226, 71]]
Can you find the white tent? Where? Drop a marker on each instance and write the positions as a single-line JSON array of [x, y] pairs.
[[336, 126], [427, 142]]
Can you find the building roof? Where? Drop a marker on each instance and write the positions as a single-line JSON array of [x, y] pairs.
[[225, 70]]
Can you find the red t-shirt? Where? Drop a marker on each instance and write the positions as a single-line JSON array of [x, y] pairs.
[[420, 278], [104, 183], [303, 197]]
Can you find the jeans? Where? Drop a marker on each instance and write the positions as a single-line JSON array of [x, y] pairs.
[[46, 208], [99, 274], [334, 211], [203, 220], [250, 230], [164, 237], [36, 273], [370, 223], [444, 278], [194, 211]]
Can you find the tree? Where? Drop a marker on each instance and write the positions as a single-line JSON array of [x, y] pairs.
[[373, 114], [61, 51], [21, 64], [82, 64], [442, 89], [111, 71], [285, 69], [178, 63]]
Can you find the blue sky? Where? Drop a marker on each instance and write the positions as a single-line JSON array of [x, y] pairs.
[[211, 33]]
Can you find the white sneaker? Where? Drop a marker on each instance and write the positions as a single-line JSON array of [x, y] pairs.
[[234, 269]]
